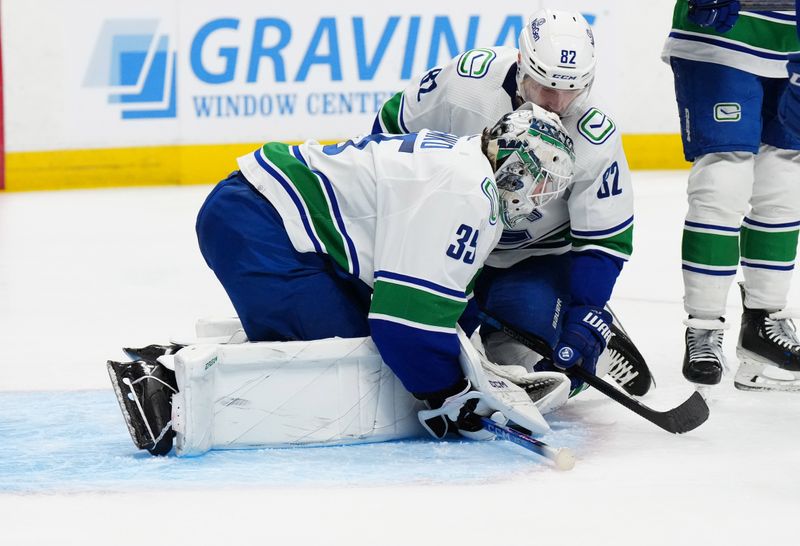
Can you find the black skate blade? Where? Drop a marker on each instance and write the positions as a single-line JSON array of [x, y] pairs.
[[151, 353], [118, 371]]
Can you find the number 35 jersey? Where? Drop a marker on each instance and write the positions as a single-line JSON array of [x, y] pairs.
[[414, 216]]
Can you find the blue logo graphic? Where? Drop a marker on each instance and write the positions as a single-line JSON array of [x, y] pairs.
[[566, 353], [137, 66]]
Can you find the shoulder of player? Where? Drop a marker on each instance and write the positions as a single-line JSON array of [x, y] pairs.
[[481, 65], [593, 129], [462, 169]]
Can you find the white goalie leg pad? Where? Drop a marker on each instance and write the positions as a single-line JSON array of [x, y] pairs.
[[497, 393], [276, 394]]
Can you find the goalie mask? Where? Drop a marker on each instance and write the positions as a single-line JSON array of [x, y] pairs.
[[556, 60], [534, 160]]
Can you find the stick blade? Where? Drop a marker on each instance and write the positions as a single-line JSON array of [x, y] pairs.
[[688, 416]]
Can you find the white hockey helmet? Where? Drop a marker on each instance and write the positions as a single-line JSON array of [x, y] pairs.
[[534, 160], [556, 59]]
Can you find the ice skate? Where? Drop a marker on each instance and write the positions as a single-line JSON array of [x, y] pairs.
[[703, 361], [626, 365], [144, 391], [768, 352]]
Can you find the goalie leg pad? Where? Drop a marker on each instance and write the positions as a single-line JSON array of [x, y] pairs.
[[276, 394]]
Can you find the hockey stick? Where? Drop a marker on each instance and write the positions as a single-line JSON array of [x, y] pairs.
[[563, 457], [768, 5], [692, 413]]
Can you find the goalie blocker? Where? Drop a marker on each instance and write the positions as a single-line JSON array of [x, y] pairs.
[[303, 393]]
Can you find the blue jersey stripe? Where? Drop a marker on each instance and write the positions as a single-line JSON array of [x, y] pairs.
[[295, 198], [766, 225], [732, 47], [713, 272], [624, 224], [711, 226], [420, 282], [336, 211], [768, 266], [773, 15]]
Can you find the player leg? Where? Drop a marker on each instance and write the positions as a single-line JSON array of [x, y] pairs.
[[278, 293], [768, 348], [720, 111], [531, 296]]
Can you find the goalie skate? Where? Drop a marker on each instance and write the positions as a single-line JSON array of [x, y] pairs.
[[144, 391]]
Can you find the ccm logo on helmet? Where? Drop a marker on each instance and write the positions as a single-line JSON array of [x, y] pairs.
[[564, 77]]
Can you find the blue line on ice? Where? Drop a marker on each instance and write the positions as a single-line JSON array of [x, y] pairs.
[[77, 441]]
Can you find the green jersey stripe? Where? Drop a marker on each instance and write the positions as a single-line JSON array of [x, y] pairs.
[[710, 248], [471, 285], [389, 113], [752, 31], [310, 191], [414, 305], [775, 246], [619, 244]]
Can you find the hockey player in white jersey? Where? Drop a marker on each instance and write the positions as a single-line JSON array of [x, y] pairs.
[[380, 236], [561, 262]]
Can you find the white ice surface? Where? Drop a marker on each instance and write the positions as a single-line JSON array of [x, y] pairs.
[[83, 273]]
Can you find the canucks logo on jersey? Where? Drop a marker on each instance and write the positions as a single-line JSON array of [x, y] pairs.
[[490, 191]]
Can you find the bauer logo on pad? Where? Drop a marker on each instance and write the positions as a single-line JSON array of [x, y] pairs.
[[727, 111]]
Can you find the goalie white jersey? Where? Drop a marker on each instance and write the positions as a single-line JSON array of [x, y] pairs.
[[413, 216], [470, 93]]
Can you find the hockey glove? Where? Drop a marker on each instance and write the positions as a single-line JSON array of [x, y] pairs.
[[720, 14], [584, 334], [789, 108], [455, 413]]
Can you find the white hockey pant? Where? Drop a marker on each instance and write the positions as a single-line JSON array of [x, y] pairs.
[[721, 193]]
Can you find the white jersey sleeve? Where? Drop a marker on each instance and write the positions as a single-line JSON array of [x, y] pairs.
[[470, 92]]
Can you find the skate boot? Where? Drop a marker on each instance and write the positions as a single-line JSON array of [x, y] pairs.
[[144, 391], [704, 361], [768, 352], [626, 365]]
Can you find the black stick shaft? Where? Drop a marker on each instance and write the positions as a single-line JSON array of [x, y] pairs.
[[689, 415]]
